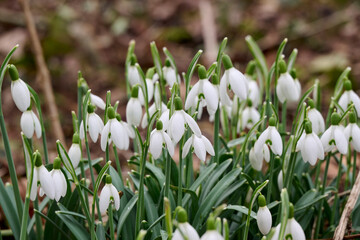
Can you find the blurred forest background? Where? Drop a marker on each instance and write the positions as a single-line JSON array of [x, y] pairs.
[[93, 36]]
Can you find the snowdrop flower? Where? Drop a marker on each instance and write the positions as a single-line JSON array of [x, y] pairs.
[[310, 145], [117, 131], [176, 128], [316, 119], [19, 90], [184, 228], [211, 233], [280, 181], [108, 193], [352, 132], [249, 116], [253, 91], [170, 74], [133, 73], [150, 83], [287, 89], [30, 123], [293, 228], [133, 108], [75, 151], [263, 216], [97, 101], [94, 124], [256, 160], [271, 137], [349, 96], [152, 110], [235, 79], [204, 87], [201, 145], [157, 138], [334, 136], [59, 180], [165, 117], [41, 177]]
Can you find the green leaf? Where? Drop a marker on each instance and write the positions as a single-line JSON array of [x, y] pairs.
[[156, 59], [244, 210], [51, 222], [100, 231], [220, 54], [258, 55], [284, 212], [211, 70], [151, 212], [156, 172], [236, 141], [191, 70], [75, 227], [292, 59], [128, 208]]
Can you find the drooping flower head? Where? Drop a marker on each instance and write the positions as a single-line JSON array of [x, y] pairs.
[[334, 136], [133, 108], [157, 138], [352, 132], [94, 124], [75, 151], [108, 195], [249, 116], [30, 124], [263, 216], [42, 178], [310, 145], [201, 146], [133, 73], [253, 88], [316, 119], [97, 101], [19, 91], [287, 89], [348, 97], [59, 179], [256, 160], [211, 232], [293, 228], [170, 74], [184, 228], [235, 79]]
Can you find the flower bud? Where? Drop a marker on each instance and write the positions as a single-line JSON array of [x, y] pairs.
[[14, 74]]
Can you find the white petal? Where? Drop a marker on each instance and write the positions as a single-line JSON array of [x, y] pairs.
[[340, 140], [280, 94], [81, 133], [317, 121], [308, 151], [97, 101], [133, 112], [356, 137], [20, 94], [264, 220], [133, 76], [344, 100], [254, 93], [156, 144], [75, 154], [238, 83], [190, 99], [27, 124], [208, 146], [288, 87], [319, 147], [105, 135], [58, 183], [266, 153], [187, 146], [94, 128], [104, 198], [295, 229], [115, 195], [37, 125], [277, 145], [33, 191], [176, 126], [212, 235], [199, 148], [192, 123], [224, 82], [150, 89], [187, 230], [169, 144], [326, 138], [356, 101], [300, 142], [119, 135], [258, 146], [129, 130], [255, 162], [46, 182], [280, 180], [211, 96], [164, 118]]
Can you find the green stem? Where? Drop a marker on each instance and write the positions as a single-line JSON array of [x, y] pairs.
[[336, 199], [118, 165], [181, 168], [283, 118], [39, 230], [24, 218], [318, 167], [216, 135], [167, 176], [271, 172], [111, 223], [140, 203]]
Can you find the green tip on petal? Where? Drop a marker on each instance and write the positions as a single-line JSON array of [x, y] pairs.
[[352, 117], [37, 159], [249, 102], [347, 85], [291, 210], [57, 163], [111, 112], [133, 60], [14, 74], [150, 73], [311, 103], [210, 224], [215, 79], [135, 91], [335, 118], [76, 138], [108, 179], [282, 66], [159, 125], [202, 72], [261, 201], [293, 73], [227, 62], [250, 69], [308, 127], [182, 216], [272, 122], [178, 103], [91, 108], [167, 63]]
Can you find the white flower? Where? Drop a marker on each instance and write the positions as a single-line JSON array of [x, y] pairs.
[[133, 108], [42, 176], [184, 228], [157, 138], [270, 136], [315, 117], [74, 152], [108, 193], [352, 132], [249, 116], [201, 145], [310, 146], [94, 124], [280, 179], [334, 136], [288, 89], [165, 119], [97, 101], [170, 74], [30, 123], [19, 90], [212, 235], [203, 86], [59, 180], [116, 131], [256, 160], [349, 96], [263, 216], [235, 79], [253, 91], [133, 75], [177, 122], [152, 110]]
